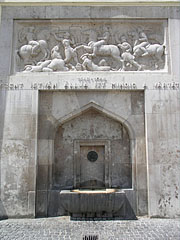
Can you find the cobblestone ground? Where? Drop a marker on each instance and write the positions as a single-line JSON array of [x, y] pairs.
[[62, 228]]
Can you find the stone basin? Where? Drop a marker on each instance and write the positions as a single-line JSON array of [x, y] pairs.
[[84, 191], [103, 203]]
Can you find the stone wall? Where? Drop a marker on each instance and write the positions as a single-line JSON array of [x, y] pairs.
[[30, 115], [18, 154]]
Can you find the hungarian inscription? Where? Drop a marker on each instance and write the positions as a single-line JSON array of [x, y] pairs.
[[86, 85]]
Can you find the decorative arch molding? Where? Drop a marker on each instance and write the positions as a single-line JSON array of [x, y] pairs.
[[115, 148], [102, 110]]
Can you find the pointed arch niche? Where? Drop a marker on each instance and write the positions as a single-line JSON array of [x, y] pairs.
[[92, 129], [64, 142]]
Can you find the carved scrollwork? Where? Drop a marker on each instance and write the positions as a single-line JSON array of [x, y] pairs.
[[79, 48]]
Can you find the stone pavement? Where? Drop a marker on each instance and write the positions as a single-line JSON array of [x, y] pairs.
[[62, 228]]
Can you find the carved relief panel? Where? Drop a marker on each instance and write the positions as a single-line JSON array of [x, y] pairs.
[[101, 45]]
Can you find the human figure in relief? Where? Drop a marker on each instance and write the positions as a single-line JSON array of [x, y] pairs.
[[70, 53], [128, 58], [103, 41], [101, 48], [89, 65], [143, 48], [142, 43], [55, 52]]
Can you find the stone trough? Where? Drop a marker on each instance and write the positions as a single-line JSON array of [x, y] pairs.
[[96, 204]]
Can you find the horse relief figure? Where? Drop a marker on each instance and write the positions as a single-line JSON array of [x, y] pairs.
[[96, 45], [101, 48], [29, 52], [54, 65], [89, 65], [142, 48]]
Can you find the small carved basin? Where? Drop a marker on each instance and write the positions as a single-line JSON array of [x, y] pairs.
[[103, 203], [84, 191]]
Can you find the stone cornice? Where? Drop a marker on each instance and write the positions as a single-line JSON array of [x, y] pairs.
[[91, 2]]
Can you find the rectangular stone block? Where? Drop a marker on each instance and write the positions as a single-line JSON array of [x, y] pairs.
[[22, 126], [41, 203], [137, 102], [141, 150], [121, 175], [141, 176], [142, 202], [67, 99], [54, 204], [45, 151], [45, 127], [43, 177], [31, 203]]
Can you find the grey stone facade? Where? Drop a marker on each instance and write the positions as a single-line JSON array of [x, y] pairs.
[[49, 117]]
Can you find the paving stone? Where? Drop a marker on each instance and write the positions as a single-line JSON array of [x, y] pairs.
[[63, 228]]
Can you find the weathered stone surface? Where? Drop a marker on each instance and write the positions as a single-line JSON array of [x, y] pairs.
[[138, 112], [88, 124]]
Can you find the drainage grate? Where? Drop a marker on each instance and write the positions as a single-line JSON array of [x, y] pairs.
[[90, 237]]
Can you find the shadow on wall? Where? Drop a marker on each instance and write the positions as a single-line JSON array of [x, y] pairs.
[[3, 214], [3, 95]]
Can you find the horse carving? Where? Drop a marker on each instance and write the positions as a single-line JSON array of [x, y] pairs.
[[101, 48], [153, 50], [104, 51], [29, 52]]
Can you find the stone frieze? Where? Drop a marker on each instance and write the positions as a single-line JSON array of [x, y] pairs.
[[117, 45]]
